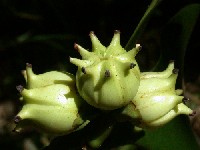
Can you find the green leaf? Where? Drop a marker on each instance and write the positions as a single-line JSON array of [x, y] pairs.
[[175, 135], [175, 36], [142, 24]]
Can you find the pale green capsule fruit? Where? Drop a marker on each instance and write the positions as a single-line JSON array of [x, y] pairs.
[[157, 102], [108, 77], [50, 104], [48, 78], [177, 110]]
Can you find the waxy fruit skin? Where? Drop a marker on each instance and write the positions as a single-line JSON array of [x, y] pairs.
[[157, 102], [108, 77], [50, 103], [47, 78]]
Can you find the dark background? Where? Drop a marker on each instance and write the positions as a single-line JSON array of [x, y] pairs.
[[43, 32]]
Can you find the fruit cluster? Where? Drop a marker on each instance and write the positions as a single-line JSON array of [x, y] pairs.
[[108, 79]]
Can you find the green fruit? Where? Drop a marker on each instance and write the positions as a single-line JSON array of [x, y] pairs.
[[50, 103], [157, 101], [48, 78], [108, 77]]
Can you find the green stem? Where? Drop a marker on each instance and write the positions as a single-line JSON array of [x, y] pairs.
[[142, 24]]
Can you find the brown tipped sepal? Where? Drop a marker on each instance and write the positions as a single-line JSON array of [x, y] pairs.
[[113, 63]]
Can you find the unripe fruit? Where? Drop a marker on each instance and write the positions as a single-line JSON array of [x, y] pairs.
[[50, 103], [108, 77], [48, 78], [157, 102]]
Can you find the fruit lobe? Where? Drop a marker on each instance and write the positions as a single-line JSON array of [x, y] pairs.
[[108, 77]]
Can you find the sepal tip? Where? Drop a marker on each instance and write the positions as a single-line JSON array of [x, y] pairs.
[[20, 88]]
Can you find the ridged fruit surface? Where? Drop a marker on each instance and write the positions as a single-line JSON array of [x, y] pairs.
[[108, 77]]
